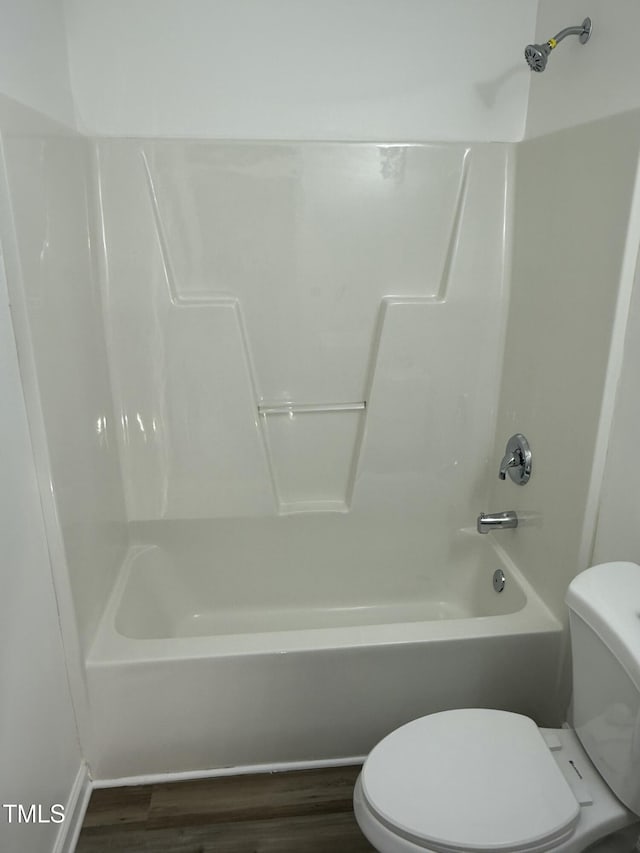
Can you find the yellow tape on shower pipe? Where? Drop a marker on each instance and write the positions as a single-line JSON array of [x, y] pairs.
[[552, 43]]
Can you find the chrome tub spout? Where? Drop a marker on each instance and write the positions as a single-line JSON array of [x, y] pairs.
[[496, 521]]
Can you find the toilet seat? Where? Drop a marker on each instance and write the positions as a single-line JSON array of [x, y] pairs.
[[470, 780]]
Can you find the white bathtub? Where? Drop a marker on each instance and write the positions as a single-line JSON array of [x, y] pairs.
[[302, 639]]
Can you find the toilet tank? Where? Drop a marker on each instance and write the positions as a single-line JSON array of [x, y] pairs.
[[604, 617]]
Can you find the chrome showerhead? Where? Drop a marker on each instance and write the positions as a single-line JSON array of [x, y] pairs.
[[537, 55]]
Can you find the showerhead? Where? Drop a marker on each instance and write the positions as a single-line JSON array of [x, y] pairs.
[[537, 55]]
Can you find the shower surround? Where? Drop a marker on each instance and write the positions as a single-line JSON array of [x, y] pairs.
[[300, 327], [304, 343]]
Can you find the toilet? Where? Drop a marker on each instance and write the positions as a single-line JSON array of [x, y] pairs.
[[475, 779]]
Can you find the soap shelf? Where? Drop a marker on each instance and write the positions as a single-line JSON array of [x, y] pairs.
[[309, 408], [312, 452]]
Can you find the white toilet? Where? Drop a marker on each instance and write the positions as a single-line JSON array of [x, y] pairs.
[[483, 780]]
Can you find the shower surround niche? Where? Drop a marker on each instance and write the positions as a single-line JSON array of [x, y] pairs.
[[303, 327]]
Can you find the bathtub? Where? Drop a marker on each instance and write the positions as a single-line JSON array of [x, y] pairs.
[[302, 640]]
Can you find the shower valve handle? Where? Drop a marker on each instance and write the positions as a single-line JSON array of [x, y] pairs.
[[516, 460], [509, 462]]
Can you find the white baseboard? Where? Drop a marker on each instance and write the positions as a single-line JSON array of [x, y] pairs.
[[283, 767], [74, 812]]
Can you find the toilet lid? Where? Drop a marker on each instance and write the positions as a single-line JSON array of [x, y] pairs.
[[472, 780]]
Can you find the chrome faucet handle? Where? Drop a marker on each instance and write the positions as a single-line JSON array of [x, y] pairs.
[[516, 460], [509, 462]]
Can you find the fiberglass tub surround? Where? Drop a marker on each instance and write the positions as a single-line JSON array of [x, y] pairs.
[[304, 341], [298, 326], [227, 641]]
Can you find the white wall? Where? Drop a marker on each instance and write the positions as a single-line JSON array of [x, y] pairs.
[[286, 69], [618, 531], [301, 69], [579, 85], [40, 755], [33, 56], [46, 227], [566, 274], [583, 83]]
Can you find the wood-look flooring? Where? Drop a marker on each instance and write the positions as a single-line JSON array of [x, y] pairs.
[[304, 811]]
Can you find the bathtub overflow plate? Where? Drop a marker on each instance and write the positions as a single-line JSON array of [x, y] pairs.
[[499, 580]]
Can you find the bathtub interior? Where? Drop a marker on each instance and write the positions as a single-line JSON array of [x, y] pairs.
[[261, 642], [238, 576], [209, 658]]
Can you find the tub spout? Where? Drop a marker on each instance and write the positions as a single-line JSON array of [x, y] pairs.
[[496, 521]]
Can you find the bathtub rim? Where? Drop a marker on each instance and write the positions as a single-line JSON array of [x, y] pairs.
[[110, 646]]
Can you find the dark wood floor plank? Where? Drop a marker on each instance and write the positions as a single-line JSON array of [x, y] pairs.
[[312, 834], [305, 811], [115, 806], [253, 797]]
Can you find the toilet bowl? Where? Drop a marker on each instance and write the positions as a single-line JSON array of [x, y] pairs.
[[476, 780]]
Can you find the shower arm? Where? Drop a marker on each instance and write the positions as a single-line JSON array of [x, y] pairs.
[[583, 31]]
